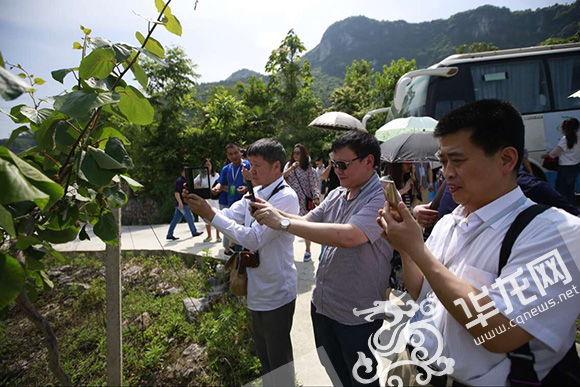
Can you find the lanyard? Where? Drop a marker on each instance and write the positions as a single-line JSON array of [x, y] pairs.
[[480, 229], [234, 177]]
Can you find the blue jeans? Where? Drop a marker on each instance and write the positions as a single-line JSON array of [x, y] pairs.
[[342, 344], [177, 216]]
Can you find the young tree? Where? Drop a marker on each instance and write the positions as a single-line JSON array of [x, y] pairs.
[[355, 97], [73, 176]]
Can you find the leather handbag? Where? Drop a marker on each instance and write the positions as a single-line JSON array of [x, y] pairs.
[[550, 163], [238, 275]]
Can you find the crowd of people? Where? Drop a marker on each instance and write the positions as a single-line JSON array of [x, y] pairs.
[[500, 244]]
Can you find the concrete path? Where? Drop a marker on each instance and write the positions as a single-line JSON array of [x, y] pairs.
[[145, 238]]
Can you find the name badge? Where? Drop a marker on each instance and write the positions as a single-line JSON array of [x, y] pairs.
[[232, 190]]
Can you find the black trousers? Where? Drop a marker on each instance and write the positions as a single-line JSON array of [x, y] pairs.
[[271, 331], [342, 343]]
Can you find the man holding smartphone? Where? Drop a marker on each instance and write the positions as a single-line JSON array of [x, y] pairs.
[[272, 285], [355, 267]]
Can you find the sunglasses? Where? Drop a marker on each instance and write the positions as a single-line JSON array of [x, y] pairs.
[[343, 165]]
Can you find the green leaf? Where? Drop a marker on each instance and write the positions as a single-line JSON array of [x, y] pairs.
[[87, 31], [22, 75], [1, 60], [135, 106], [55, 254], [123, 51], [78, 103], [117, 151], [97, 84], [15, 133], [63, 219], [116, 198], [11, 279], [65, 135], [100, 43], [25, 242], [46, 280], [105, 161], [91, 172], [26, 181], [17, 116], [107, 131], [159, 5], [6, 221], [140, 75], [11, 86], [58, 75], [59, 236], [36, 116], [34, 264], [39, 81], [83, 235], [107, 229], [133, 184], [173, 25], [31, 292], [99, 64], [152, 45], [17, 188], [77, 46]]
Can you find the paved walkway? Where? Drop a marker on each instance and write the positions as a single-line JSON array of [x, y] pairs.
[[144, 238]]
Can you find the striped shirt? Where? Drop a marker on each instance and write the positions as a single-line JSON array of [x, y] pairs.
[[355, 277]]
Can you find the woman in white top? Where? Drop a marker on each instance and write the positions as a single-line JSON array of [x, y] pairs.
[[568, 153]]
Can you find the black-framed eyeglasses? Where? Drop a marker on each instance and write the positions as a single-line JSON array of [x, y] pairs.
[[343, 165]]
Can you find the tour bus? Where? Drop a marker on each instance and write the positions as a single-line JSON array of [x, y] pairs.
[[542, 82]]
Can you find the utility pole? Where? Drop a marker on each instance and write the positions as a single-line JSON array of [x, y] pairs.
[[114, 313]]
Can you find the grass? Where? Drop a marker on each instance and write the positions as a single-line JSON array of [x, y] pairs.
[[150, 348]]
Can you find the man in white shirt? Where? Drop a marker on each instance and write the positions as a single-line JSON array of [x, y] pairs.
[[272, 285], [480, 319]]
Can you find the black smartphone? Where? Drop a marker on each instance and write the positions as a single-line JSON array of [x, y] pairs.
[[251, 190], [197, 179]]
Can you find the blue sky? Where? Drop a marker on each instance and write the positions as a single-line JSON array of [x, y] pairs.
[[221, 36]]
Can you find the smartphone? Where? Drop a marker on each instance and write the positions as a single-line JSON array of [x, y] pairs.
[[251, 190], [390, 191], [197, 179]]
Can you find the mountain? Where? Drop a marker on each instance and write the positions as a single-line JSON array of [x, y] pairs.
[[242, 75], [429, 42]]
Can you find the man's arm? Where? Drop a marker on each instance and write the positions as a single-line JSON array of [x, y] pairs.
[[329, 234], [178, 198], [452, 291]]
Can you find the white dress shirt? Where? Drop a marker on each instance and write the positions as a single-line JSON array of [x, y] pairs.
[[273, 283], [553, 328]]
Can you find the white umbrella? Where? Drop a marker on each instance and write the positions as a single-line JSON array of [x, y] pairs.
[[337, 121], [575, 95], [405, 125]]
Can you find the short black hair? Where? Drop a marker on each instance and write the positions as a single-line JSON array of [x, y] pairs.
[[319, 159], [494, 125], [361, 143], [232, 145], [270, 149]]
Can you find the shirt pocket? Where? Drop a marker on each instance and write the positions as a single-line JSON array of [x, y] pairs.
[[478, 277]]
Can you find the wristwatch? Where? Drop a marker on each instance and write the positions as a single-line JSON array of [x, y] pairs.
[[284, 224]]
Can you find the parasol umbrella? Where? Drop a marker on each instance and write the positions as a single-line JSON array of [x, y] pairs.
[[405, 125], [575, 95], [337, 121], [410, 147]]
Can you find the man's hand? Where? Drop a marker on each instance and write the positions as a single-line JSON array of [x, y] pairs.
[[425, 216], [316, 202], [265, 213], [217, 189], [246, 173], [242, 189], [180, 206], [405, 235], [200, 206]]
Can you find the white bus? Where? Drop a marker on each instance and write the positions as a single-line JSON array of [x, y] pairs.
[[539, 81]]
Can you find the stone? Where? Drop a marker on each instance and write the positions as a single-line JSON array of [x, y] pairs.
[[131, 274], [218, 290], [65, 279], [54, 273], [66, 268], [193, 306], [169, 291], [213, 281], [220, 270], [79, 287], [143, 321], [155, 273], [189, 362]]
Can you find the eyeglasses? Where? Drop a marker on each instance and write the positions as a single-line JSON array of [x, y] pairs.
[[343, 165]]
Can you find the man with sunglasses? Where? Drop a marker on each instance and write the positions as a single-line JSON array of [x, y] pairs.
[[355, 266]]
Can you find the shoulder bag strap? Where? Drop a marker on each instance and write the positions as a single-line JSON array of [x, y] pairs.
[[522, 359]]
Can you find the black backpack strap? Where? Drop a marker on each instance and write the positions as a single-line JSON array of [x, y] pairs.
[[522, 359]]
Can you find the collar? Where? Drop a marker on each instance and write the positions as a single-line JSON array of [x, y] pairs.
[[374, 179], [488, 211], [264, 192]]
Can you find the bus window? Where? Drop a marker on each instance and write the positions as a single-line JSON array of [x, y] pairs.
[[565, 73], [450, 93], [415, 98], [523, 83]]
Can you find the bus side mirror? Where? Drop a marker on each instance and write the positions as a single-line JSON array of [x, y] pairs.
[[402, 84]]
